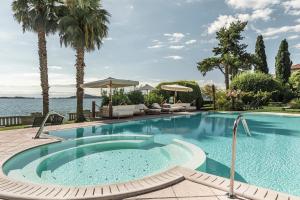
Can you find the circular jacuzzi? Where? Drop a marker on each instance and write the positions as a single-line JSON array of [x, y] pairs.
[[101, 160]]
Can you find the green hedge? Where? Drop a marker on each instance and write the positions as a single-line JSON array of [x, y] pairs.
[[254, 82], [136, 97], [260, 82], [185, 97]]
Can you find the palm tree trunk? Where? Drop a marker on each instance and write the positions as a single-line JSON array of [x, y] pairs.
[[226, 74], [79, 80], [42, 45]]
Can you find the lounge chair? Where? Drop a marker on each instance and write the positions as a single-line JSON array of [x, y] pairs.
[[52, 120], [152, 110], [187, 106], [118, 111], [173, 107]]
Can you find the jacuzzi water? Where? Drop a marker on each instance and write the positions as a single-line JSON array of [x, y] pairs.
[[100, 160], [269, 158]]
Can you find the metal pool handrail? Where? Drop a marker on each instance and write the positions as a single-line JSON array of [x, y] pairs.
[[41, 129], [239, 119]]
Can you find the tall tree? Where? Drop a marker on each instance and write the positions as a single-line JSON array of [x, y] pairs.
[[39, 16], [283, 62], [83, 28], [230, 55], [260, 55]]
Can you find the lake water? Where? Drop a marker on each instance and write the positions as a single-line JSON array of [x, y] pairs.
[[16, 107]]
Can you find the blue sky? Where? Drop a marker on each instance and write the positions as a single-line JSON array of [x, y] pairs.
[[149, 41]]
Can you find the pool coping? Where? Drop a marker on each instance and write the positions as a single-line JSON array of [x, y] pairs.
[[11, 189]]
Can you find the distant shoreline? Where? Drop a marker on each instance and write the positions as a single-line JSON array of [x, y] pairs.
[[72, 97]]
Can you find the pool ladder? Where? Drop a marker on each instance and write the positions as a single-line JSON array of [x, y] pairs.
[[239, 119], [41, 129]]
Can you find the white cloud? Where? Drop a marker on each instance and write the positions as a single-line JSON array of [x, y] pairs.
[[271, 37], [297, 46], [108, 39], [226, 20], [190, 41], [174, 37], [293, 37], [283, 29], [252, 4], [292, 7], [176, 47], [174, 57], [156, 46], [55, 67]]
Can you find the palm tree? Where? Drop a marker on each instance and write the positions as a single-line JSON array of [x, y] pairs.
[[40, 17], [83, 28]]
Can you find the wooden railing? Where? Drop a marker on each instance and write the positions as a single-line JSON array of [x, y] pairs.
[[11, 121]]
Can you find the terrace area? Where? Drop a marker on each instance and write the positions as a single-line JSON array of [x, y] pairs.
[[176, 183]]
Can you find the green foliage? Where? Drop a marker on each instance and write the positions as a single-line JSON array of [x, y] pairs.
[[118, 98], [153, 97], [283, 62], [255, 82], [230, 55], [84, 25], [261, 65], [294, 104], [295, 82], [136, 97], [260, 82], [37, 15], [261, 98], [185, 97], [223, 102]]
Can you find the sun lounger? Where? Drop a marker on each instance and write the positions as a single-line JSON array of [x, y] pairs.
[[52, 120], [187, 106]]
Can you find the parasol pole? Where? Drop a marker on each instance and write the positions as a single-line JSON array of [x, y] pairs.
[[175, 96], [110, 100]]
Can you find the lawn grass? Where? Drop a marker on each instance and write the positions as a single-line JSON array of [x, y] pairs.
[[276, 109]]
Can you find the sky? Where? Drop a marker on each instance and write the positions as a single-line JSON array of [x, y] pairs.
[[149, 41]]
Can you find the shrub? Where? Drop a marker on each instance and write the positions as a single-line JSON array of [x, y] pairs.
[[153, 97], [136, 97], [185, 97], [295, 82], [260, 82], [262, 98], [118, 97], [223, 102], [295, 103], [254, 82]]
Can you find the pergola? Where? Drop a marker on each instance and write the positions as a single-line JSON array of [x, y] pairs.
[[110, 83], [176, 88]]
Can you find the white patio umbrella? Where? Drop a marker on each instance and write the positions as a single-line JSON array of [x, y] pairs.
[[176, 88], [146, 88], [110, 83]]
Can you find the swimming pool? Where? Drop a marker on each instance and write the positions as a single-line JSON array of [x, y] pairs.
[[103, 159], [269, 158]]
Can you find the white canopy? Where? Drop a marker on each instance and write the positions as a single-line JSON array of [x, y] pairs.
[[176, 88], [147, 88], [110, 83]]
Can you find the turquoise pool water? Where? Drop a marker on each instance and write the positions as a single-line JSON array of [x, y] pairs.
[[100, 160], [269, 158]]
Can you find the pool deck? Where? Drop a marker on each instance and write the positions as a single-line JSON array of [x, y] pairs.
[[177, 183]]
